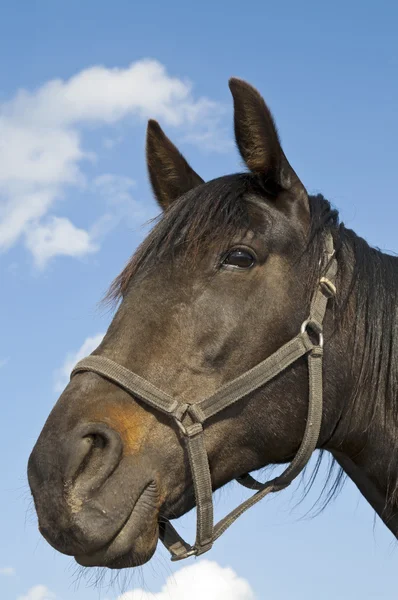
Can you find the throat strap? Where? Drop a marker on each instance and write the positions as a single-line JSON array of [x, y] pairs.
[[190, 418]]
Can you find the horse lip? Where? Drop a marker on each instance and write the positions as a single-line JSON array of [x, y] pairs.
[[116, 553]]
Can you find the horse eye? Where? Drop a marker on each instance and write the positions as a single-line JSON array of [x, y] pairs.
[[239, 258]]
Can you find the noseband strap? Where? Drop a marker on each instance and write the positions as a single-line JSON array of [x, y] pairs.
[[190, 418]]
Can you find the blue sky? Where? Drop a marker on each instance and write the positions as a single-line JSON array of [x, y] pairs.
[[79, 79]]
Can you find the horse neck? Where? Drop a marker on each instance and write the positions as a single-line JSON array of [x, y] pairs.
[[365, 435]]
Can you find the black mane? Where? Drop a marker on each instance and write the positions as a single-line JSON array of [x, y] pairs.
[[369, 308]]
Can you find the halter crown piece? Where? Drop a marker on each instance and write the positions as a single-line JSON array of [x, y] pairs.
[[191, 418]]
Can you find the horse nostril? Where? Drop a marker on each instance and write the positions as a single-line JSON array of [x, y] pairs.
[[92, 453]]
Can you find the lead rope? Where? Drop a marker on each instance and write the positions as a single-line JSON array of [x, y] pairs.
[[191, 417]]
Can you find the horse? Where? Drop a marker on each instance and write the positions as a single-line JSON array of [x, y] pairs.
[[252, 327]]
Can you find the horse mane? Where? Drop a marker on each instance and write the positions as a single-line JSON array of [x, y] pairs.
[[374, 284], [373, 320], [218, 209]]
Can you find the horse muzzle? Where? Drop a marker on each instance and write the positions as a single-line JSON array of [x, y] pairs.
[[93, 503]]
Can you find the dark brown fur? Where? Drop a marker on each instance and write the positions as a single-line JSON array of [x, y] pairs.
[[106, 468]]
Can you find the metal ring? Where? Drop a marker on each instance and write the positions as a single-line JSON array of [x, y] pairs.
[[181, 427], [309, 324], [187, 554], [329, 285]]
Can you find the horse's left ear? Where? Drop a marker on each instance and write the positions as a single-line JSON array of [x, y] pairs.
[[259, 145]]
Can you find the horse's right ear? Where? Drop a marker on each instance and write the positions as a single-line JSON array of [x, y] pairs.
[[169, 173]]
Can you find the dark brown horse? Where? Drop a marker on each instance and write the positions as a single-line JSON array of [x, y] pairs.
[[223, 281]]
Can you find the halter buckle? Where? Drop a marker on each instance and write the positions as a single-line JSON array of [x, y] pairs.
[[194, 414], [181, 426], [328, 286], [313, 326], [188, 553]]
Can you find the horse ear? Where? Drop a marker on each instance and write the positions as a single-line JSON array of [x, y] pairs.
[[169, 173], [258, 141]]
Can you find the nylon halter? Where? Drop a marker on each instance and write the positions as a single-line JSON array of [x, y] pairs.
[[190, 418]]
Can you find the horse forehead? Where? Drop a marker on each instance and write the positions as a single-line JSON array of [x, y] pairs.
[[261, 209]]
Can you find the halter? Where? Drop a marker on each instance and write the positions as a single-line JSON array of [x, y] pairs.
[[190, 418]]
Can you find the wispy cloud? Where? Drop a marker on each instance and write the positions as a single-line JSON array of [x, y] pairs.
[[205, 580], [116, 190], [38, 592], [42, 154], [3, 362], [63, 373], [7, 571]]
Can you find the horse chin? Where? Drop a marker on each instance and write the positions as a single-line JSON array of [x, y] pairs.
[[133, 545], [111, 558]]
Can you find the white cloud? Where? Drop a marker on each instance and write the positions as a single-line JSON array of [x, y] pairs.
[[62, 375], [58, 236], [38, 592], [42, 152], [7, 571], [204, 580]]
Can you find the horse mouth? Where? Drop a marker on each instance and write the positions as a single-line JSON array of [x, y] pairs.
[[134, 543]]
